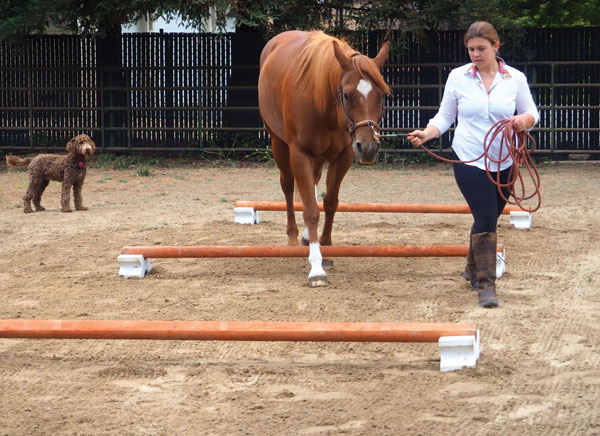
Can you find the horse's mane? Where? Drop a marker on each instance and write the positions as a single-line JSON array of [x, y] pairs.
[[321, 73]]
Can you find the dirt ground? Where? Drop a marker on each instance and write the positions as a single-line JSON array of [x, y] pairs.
[[539, 371]]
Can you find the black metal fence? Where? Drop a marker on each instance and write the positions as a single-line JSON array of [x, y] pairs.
[[176, 92]]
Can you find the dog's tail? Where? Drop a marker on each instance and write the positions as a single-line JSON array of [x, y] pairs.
[[17, 162]]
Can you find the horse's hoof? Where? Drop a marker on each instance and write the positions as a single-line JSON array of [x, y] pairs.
[[314, 282], [28, 210], [327, 263]]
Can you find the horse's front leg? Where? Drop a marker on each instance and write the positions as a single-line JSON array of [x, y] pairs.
[[302, 166], [317, 171], [335, 173]]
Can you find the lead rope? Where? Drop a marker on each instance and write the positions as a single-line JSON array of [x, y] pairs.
[[514, 144]]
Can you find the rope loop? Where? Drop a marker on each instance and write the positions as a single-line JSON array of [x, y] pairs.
[[513, 145]]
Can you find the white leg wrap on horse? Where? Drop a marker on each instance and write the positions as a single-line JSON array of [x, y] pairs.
[[316, 261], [316, 194], [305, 234]]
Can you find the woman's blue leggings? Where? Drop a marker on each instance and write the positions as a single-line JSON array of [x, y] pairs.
[[482, 195]]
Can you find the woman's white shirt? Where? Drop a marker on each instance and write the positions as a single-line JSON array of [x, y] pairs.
[[477, 110]]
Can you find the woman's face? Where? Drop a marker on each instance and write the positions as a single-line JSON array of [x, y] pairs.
[[482, 52]]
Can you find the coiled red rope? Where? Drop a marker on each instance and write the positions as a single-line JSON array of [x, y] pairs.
[[513, 145]]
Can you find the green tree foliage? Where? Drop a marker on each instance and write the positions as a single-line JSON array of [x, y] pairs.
[[415, 15], [103, 17], [21, 17], [554, 13]]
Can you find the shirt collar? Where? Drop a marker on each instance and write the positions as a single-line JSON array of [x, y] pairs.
[[472, 70]]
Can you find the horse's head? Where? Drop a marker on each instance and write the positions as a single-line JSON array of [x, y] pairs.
[[361, 94]]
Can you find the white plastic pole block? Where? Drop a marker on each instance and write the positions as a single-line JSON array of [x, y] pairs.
[[520, 219], [456, 352], [500, 263], [246, 215], [133, 265]]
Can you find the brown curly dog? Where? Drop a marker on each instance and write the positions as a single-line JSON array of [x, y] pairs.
[[69, 169]]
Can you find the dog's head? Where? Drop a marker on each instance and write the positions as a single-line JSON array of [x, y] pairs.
[[81, 145]]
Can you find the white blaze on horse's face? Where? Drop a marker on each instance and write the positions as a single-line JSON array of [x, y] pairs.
[[364, 143], [364, 87]]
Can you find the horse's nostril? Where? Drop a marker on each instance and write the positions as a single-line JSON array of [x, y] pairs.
[[359, 147]]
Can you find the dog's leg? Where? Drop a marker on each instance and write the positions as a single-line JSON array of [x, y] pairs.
[[34, 192], [37, 196], [27, 200], [65, 198], [77, 196]]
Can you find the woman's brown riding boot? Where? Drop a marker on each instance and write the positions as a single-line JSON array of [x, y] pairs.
[[470, 272], [484, 252]]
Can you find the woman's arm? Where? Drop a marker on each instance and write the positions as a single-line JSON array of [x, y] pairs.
[[528, 114], [442, 120]]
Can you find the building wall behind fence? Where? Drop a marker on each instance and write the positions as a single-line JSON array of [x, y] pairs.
[[177, 92]]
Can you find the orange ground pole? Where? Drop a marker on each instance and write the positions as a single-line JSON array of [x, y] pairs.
[[371, 207], [233, 330], [209, 251]]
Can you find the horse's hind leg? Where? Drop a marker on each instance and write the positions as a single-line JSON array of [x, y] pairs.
[[281, 155]]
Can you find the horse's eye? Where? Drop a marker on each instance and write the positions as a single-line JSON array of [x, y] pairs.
[[346, 96]]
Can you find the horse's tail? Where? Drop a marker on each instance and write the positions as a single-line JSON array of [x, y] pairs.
[[17, 162]]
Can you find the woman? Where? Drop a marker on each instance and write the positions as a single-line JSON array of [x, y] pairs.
[[479, 94]]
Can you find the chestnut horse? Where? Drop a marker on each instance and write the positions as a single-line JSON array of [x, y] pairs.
[[321, 101]]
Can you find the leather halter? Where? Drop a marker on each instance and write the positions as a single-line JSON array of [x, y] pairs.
[[353, 126]]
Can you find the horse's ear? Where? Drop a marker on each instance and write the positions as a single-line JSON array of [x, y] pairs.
[[382, 56], [340, 56]]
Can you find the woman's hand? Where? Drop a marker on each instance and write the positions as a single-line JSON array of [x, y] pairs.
[[417, 137], [420, 137], [522, 122]]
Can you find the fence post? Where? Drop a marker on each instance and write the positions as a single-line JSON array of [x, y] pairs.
[[30, 106], [553, 108], [168, 87], [440, 96], [100, 76]]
